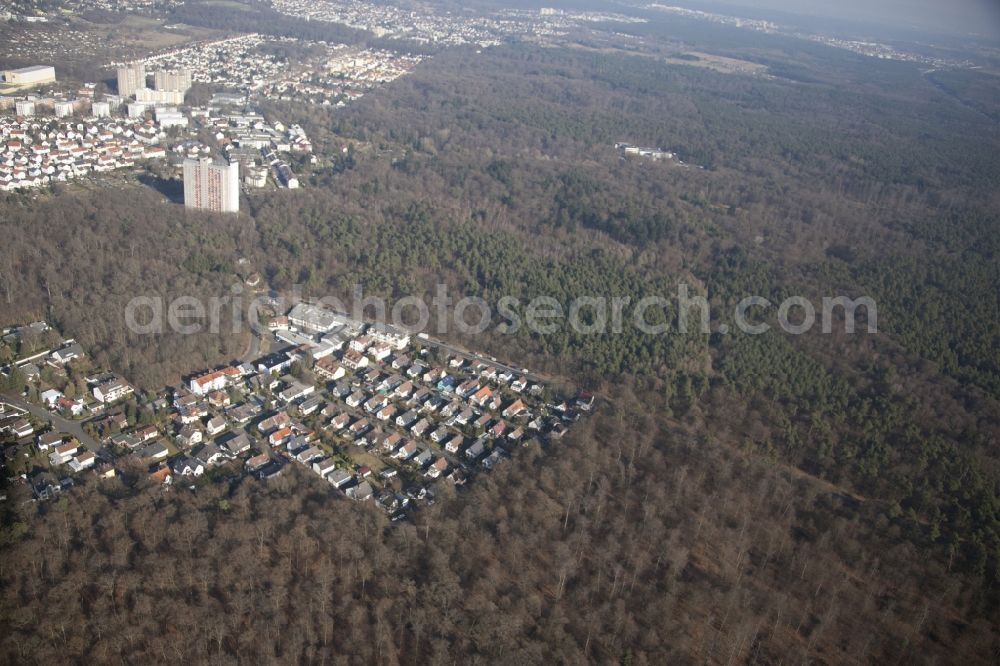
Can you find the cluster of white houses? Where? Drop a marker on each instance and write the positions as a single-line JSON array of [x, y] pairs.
[[37, 151]]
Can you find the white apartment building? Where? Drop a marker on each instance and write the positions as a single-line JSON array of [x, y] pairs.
[[211, 186]]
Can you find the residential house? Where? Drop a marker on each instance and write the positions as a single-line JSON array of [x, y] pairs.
[[340, 421], [355, 399], [361, 492], [339, 478], [495, 456], [50, 398], [274, 363], [215, 425], [407, 418], [296, 445], [424, 458], [391, 442], [125, 440], [66, 353], [146, 434], [324, 467], [420, 427], [390, 383], [154, 451], [219, 399], [476, 449], [254, 463], [212, 454], [112, 390], [74, 407], [360, 343], [354, 360], [433, 404], [48, 439], [454, 444], [296, 391], [398, 339], [213, 381], [187, 466], [44, 486], [341, 390], [329, 369], [310, 405], [82, 461], [279, 420], [380, 351], [434, 375], [62, 453], [310, 454], [406, 451], [189, 436], [437, 468], [269, 471], [280, 436], [237, 444], [375, 403], [464, 416], [359, 427], [497, 429], [467, 388], [191, 413], [481, 397], [513, 409]]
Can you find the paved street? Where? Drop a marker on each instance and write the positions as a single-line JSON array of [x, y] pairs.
[[61, 424]]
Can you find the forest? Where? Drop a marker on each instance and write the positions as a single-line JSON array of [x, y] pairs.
[[737, 499]]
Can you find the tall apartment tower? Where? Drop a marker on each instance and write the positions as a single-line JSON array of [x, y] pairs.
[[211, 186], [131, 78], [175, 81]]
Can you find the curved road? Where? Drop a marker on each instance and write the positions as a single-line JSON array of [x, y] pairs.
[[61, 424]]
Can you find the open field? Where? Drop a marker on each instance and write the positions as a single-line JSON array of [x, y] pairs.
[[717, 63], [79, 47], [144, 34], [712, 61]]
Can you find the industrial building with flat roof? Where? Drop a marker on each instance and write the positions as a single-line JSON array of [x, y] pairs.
[[26, 77]]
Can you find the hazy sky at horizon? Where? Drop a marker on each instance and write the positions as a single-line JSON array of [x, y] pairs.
[[954, 16]]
